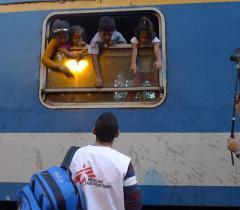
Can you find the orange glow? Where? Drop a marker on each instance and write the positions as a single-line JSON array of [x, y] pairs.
[[76, 67]]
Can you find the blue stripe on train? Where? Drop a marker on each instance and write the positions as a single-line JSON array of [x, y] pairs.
[[200, 38], [164, 195]]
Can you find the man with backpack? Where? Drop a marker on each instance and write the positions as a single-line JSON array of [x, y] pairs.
[[105, 177]]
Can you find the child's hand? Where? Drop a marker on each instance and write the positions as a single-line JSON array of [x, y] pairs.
[[68, 74], [61, 67], [134, 68], [107, 45], [99, 82], [157, 65], [82, 44], [80, 56], [64, 51], [65, 70]]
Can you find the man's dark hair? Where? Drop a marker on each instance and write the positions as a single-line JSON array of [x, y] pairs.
[[106, 23], [106, 127]]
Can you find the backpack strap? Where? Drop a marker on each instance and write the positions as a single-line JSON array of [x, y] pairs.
[[68, 157], [27, 199], [65, 165]]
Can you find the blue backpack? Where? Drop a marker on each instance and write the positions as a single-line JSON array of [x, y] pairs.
[[52, 189]]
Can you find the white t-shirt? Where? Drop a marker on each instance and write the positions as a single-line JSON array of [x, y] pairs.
[[99, 174], [97, 43], [144, 64], [155, 40]]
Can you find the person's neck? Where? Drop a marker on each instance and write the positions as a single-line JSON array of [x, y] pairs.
[[103, 144]]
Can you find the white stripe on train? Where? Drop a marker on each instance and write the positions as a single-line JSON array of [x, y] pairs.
[[173, 159]]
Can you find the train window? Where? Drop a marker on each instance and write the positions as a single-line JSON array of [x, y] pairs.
[[121, 87]]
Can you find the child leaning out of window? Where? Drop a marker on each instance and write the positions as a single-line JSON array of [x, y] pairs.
[[104, 38], [59, 37], [77, 40], [144, 36]]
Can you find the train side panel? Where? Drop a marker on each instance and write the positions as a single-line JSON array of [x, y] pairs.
[[178, 149]]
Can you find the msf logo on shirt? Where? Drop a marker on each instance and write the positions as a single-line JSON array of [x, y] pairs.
[[86, 176], [83, 174]]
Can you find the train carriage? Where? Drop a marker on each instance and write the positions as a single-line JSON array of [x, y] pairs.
[[177, 140]]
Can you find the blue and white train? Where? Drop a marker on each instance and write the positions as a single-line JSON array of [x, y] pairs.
[[177, 144]]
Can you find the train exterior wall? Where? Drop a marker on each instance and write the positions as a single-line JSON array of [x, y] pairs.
[[178, 149]]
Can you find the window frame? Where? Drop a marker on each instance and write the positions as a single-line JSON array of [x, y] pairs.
[[119, 104]]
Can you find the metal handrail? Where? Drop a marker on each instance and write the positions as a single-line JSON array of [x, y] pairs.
[[93, 89]]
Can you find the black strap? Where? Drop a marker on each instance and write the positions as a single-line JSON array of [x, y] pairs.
[[65, 165], [56, 190], [68, 157], [46, 192]]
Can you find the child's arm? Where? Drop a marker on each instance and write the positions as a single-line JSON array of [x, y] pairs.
[[83, 44], [78, 56], [134, 58], [67, 53], [121, 39], [94, 51], [96, 67], [157, 64], [48, 54], [64, 70]]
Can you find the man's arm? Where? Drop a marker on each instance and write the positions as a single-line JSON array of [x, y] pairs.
[[234, 146], [131, 190]]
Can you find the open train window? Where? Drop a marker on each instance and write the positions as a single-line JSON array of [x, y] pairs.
[[59, 91]]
